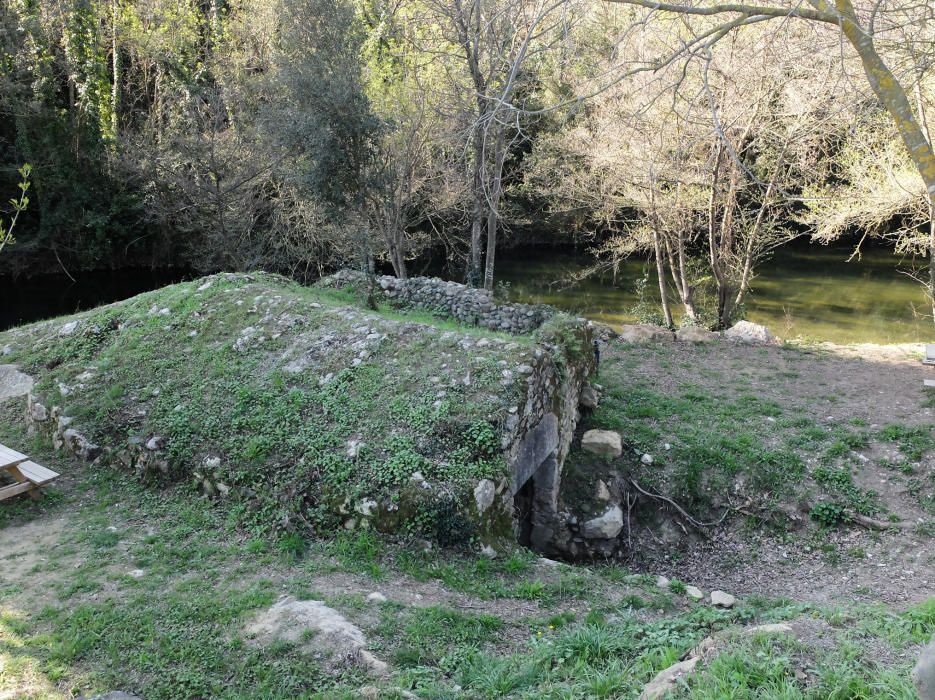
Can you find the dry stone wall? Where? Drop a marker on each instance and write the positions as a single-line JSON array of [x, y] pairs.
[[475, 307]]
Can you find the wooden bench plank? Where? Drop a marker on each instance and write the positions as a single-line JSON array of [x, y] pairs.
[[9, 458], [36, 473], [15, 489]]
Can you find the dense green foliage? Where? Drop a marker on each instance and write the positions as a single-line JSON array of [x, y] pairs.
[[295, 136]]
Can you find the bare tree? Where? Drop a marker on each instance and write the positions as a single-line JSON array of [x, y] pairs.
[[865, 28], [493, 40]]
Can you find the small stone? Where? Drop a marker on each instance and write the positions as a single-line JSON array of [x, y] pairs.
[[376, 597], [353, 448], [694, 593], [665, 680], [68, 328], [603, 493], [136, 573], [721, 599], [154, 443], [488, 552], [604, 527], [646, 458]]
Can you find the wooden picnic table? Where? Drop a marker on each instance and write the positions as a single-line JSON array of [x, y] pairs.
[[27, 475]]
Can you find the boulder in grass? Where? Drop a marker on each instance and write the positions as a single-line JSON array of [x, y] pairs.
[[645, 333], [752, 333], [696, 334], [605, 443]]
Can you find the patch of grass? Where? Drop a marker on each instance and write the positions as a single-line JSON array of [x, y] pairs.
[[913, 442]]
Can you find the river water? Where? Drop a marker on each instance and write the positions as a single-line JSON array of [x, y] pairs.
[[804, 291]]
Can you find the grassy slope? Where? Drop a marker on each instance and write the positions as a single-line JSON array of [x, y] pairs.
[[276, 379]]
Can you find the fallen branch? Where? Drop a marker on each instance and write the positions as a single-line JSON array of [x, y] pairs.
[[873, 524], [693, 521]]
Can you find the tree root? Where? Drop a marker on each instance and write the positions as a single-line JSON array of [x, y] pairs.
[[691, 520]]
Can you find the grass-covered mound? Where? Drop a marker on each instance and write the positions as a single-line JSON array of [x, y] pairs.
[[299, 406]]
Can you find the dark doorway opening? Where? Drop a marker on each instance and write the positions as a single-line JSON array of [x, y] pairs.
[[522, 512]]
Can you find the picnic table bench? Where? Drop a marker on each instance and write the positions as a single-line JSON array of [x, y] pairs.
[[28, 476]]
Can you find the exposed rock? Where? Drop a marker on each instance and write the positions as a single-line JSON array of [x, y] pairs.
[[115, 695], [68, 328], [484, 494], [646, 459], [603, 493], [746, 332], [694, 592], [38, 413], [13, 382], [588, 398], [376, 597], [645, 333], [155, 443], [353, 448], [606, 526], [666, 679], [722, 600], [923, 675], [696, 334], [662, 582], [315, 627], [602, 442], [488, 552], [366, 507]]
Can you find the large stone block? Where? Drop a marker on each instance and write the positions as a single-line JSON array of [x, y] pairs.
[[605, 443]]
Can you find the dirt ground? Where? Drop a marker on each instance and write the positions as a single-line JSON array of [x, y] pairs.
[[873, 386]]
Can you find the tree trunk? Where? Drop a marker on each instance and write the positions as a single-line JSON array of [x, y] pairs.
[[477, 213], [890, 92], [661, 274], [115, 66], [493, 212], [924, 126]]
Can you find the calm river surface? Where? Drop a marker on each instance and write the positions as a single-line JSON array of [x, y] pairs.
[[804, 291]]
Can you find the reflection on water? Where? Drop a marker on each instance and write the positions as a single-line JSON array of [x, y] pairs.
[[804, 291]]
